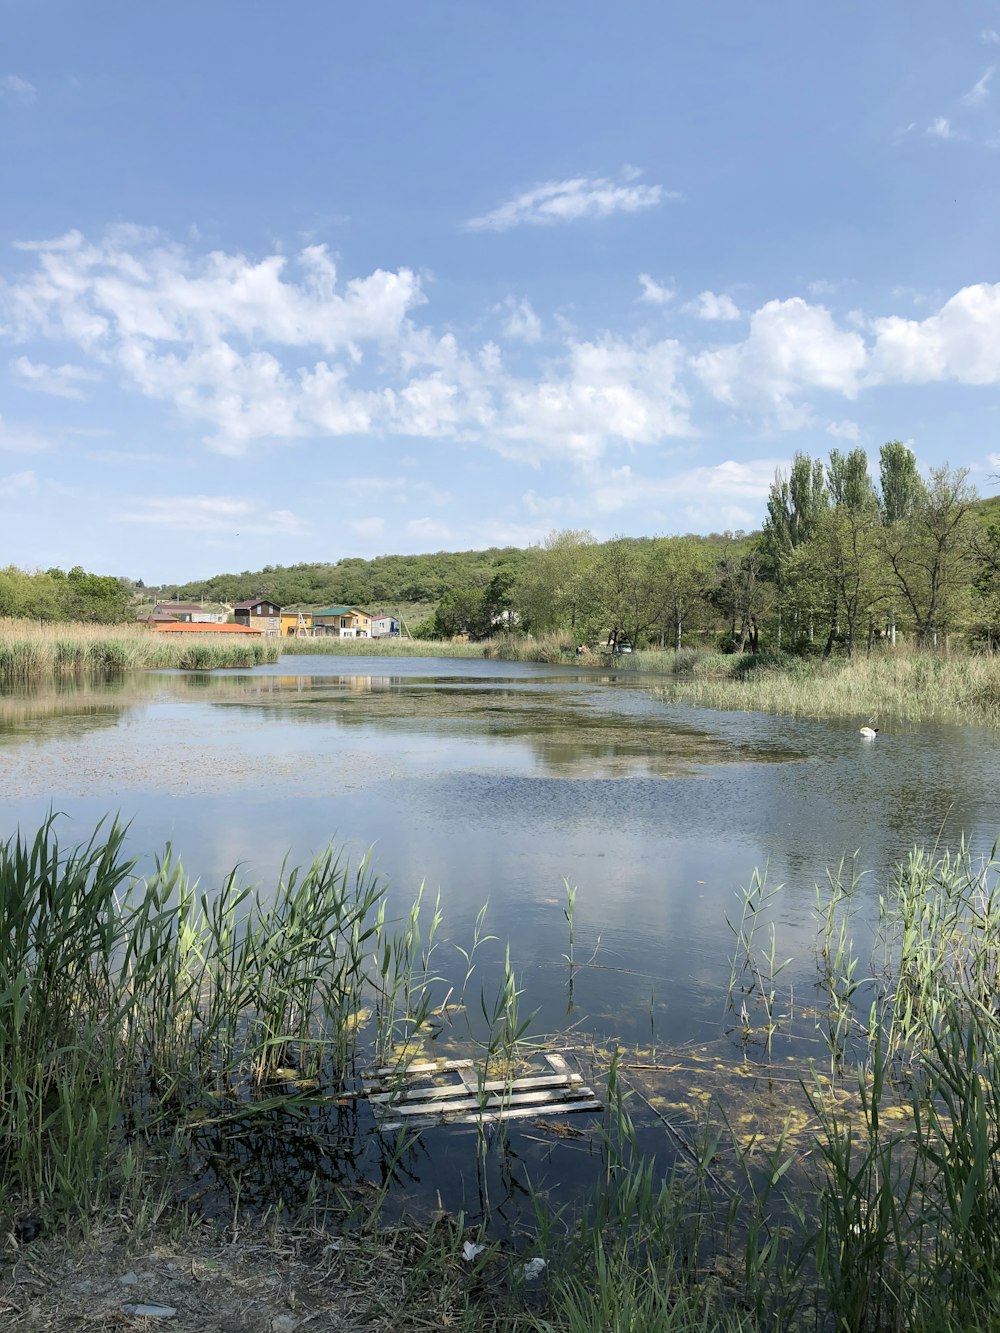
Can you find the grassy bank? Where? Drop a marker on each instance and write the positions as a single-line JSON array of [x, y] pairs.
[[31, 652], [901, 685], [327, 645], [155, 1037]]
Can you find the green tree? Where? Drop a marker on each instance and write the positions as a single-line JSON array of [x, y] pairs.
[[682, 575], [931, 554]]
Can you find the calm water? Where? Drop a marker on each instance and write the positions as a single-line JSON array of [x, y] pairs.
[[498, 782]]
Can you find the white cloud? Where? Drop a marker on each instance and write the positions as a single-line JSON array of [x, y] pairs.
[[980, 90], [59, 381], [18, 483], [940, 128], [844, 430], [609, 390], [654, 292], [792, 347], [961, 341], [990, 37], [17, 87], [568, 201], [709, 306], [721, 495], [211, 514], [522, 322]]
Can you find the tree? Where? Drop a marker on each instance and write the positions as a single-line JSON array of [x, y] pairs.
[[624, 595], [683, 571], [931, 553], [741, 591], [795, 507], [553, 586]]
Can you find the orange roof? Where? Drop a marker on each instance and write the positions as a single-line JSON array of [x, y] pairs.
[[185, 627]]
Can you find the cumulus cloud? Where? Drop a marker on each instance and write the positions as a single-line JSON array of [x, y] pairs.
[[59, 381], [607, 389], [211, 514], [570, 200], [654, 292], [15, 86], [961, 341], [792, 347], [709, 306], [522, 323]]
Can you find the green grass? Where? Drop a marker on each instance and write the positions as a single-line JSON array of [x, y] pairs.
[[30, 653]]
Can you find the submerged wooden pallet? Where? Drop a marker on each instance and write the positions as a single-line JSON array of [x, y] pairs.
[[403, 1096]]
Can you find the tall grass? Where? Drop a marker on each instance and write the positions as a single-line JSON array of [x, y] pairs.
[[132, 1011], [328, 645], [31, 652], [137, 1013]]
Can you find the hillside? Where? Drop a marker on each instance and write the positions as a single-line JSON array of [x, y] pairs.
[[384, 583]]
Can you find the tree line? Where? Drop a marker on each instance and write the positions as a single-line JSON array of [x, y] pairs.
[[841, 560], [55, 594], [844, 557]]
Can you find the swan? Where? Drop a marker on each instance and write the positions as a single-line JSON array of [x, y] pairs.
[[869, 733]]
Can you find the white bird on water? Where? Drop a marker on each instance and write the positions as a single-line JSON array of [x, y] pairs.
[[869, 733]]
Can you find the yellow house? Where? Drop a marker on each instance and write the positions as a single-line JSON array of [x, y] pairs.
[[296, 624], [346, 622]]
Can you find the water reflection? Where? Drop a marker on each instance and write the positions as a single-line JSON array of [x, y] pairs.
[[498, 781]]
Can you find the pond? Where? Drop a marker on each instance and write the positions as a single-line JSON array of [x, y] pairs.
[[500, 783]]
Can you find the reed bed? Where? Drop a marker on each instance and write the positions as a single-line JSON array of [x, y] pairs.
[[31, 652], [328, 645], [139, 1014], [135, 1012], [900, 686]]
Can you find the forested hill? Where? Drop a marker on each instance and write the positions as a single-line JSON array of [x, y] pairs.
[[380, 584]]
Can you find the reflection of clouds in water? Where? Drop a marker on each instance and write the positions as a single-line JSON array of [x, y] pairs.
[[499, 789]]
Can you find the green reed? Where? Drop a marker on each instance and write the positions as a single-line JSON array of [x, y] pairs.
[[134, 1009], [30, 653]]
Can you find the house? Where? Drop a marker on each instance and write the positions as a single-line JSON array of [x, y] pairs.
[[384, 626], [192, 612], [259, 613], [345, 622], [296, 624]]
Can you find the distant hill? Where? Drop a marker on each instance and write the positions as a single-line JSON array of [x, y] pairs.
[[385, 583]]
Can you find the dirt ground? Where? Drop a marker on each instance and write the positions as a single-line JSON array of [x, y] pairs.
[[232, 1282]]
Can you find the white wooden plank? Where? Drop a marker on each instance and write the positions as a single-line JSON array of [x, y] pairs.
[[422, 1067], [491, 1085], [495, 1117], [541, 1097]]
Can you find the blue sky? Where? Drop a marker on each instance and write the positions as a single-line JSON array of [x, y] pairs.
[[284, 283]]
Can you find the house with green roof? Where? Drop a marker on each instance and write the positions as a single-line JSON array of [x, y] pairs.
[[345, 622]]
